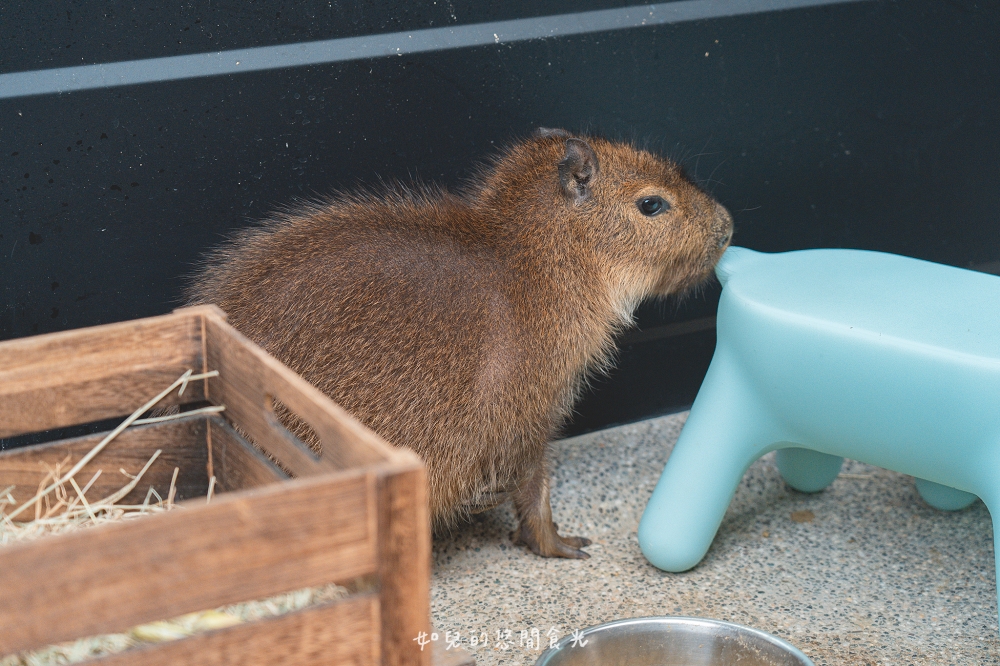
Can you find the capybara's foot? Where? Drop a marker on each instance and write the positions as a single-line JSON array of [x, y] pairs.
[[548, 543]]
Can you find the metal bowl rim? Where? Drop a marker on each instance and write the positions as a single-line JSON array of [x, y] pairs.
[[675, 620]]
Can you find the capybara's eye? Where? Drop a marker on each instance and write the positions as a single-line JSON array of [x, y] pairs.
[[652, 205]]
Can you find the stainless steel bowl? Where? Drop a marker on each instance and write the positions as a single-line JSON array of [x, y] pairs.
[[672, 641]]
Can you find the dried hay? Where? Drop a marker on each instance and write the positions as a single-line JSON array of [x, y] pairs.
[[61, 505]]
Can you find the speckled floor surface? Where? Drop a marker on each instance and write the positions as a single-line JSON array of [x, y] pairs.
[[862, 573]]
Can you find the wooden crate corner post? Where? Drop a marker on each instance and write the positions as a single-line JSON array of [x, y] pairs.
[[404, 563]]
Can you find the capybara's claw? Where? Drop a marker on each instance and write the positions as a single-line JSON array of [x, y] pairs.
[[550, 544]]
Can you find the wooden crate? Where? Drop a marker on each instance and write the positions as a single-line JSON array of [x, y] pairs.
[[357, 512]]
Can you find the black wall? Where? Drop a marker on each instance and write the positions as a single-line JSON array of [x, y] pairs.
[[865, 125]]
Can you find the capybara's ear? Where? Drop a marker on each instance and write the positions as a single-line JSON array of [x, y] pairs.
[[552, 132], [578, 170]]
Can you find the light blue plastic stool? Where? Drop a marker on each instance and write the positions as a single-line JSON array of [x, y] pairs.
[[827, 354]]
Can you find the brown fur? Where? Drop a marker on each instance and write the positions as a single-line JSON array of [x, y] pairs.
[[462, 325]]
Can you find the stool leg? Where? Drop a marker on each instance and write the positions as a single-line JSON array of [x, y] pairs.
[[994, 506], [724, 434], [943, 498], [808, 471]]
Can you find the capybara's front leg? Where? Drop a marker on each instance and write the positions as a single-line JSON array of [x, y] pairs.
[[536, 529]]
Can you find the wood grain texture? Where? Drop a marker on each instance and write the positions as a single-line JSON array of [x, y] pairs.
[[61, 379], [357, 512], [404, 564], [239, 466], [343, 632], [182, 443], [252, 378], [242, 546]]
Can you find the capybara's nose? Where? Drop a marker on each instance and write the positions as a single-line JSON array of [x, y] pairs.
[[723, 225]]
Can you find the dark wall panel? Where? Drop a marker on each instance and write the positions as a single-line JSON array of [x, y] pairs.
[[868, 125], [61, 33]]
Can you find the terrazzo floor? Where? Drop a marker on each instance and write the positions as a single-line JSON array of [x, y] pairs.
[[861, 573]]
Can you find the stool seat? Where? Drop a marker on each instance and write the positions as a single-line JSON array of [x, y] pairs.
[[882, 294], [826, 354]]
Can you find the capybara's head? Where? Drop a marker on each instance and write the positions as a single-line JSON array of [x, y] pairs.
[[651, 230]]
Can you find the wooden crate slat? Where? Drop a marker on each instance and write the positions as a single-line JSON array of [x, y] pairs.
[[277, 442], [404, 566], [346, 442], [238, 466], [182, 444], [238, 548], [61, 379], [343, 632]]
